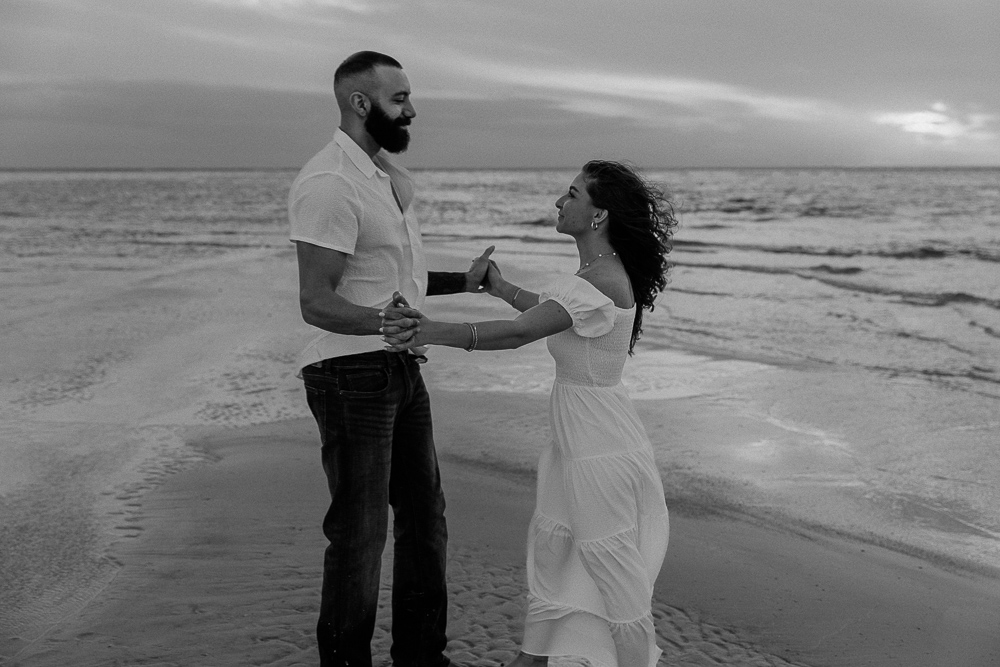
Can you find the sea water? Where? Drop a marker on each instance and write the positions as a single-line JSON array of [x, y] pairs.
[[855, 312], [894, 271]]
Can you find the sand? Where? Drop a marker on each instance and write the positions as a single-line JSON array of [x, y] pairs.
[[227, 572], [185, 530]]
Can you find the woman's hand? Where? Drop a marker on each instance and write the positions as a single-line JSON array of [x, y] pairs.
[[494, 280], [475, 276], [405, 339], [399, 320]]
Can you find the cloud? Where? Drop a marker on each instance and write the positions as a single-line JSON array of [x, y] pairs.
[[611, 94], [940, 123], [357, 6], [160, 124]]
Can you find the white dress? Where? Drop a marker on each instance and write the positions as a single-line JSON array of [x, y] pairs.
[[600, 529]]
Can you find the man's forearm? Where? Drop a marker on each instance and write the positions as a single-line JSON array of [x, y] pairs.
[[444, 282], [336, 314]]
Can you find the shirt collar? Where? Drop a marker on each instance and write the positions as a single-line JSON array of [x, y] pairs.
[[357, 154]]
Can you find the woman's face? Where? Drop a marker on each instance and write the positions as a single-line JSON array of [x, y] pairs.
[[576, 211]]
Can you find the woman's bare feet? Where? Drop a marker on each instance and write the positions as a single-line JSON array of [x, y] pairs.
[[527, 660]]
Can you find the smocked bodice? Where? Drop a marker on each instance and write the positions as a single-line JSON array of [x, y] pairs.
[[597, 361], [592, 352]]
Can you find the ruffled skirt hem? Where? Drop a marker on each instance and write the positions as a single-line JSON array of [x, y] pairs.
[[554, 629]]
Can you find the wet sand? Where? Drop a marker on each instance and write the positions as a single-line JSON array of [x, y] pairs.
[[227, 572]]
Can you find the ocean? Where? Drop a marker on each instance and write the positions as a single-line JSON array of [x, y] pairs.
[[894, 271], [853, 313]]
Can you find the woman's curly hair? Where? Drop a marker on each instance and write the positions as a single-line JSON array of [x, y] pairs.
[[641, 224]]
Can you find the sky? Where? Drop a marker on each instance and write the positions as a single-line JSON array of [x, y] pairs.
[[506, 83]]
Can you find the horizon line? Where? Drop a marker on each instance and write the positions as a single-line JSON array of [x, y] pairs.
[[549, 168]]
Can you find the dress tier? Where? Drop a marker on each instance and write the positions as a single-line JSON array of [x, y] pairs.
[[600, 529]]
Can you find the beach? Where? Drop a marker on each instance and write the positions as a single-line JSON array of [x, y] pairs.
[[162, 494]]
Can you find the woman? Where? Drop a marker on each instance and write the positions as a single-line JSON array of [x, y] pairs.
[[600, 529]]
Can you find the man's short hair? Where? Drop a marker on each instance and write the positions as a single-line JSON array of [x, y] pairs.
[[363, 62]]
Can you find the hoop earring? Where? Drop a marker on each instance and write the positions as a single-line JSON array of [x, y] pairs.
[[593, 225]]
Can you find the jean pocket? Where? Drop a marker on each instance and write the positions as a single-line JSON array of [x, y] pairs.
[[319, 379], [363, 383], [316, 398]]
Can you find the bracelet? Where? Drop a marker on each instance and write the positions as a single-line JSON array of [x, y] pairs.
[[475, 337], [516, 294]]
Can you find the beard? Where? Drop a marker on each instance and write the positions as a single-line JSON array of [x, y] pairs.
[[388, 133]]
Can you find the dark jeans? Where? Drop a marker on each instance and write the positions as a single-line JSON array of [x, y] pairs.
[[374, 420]]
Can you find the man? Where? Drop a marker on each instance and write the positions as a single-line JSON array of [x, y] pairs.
[[358, 245]]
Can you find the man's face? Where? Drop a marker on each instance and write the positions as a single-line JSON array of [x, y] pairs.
[[389, 133], [391, 111]]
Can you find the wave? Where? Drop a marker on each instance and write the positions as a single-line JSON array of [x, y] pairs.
[[974, 373], [838, 270], [930, 299], [914, 252], [480, 236], [986, 329], [794, 207]]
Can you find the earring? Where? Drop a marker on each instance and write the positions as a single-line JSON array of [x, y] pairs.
[[593, 225]]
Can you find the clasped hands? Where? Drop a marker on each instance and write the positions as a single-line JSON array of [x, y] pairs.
[[401, 324]]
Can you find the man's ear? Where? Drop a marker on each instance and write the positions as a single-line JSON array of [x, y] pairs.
[[360, 103]]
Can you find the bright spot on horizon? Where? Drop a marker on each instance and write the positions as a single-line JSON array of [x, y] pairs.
[[942, 123]]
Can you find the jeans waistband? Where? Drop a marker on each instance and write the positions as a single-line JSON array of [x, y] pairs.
[[376, 357]]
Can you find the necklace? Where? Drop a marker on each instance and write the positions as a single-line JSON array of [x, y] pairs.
[[603, 254]]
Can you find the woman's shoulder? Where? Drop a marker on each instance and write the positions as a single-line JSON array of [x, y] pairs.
[[612, 281], [593, 312]]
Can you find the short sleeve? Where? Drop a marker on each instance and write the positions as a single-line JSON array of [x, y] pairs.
[[323, 211], [592, 311]]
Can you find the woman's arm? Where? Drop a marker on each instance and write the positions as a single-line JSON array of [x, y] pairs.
[[517, 297], [545, 319]]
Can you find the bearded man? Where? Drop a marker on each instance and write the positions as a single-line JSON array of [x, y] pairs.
[[359, 251]]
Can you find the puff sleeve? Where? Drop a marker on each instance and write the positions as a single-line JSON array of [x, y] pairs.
[[592, 311]]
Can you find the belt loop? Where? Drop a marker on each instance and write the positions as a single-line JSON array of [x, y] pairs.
[[395, 360]]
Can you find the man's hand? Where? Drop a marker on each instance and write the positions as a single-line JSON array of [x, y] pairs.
[[475, 277], [399, 320]]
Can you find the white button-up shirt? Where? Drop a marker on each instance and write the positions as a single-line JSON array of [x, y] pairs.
[[343, 200]]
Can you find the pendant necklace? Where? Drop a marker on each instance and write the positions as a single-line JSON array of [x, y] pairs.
[[603, 254]]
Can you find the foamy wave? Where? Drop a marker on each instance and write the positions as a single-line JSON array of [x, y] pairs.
[[661, 374], [506, 378]]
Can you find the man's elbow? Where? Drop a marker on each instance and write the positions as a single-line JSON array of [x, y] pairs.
[[310, 313]]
